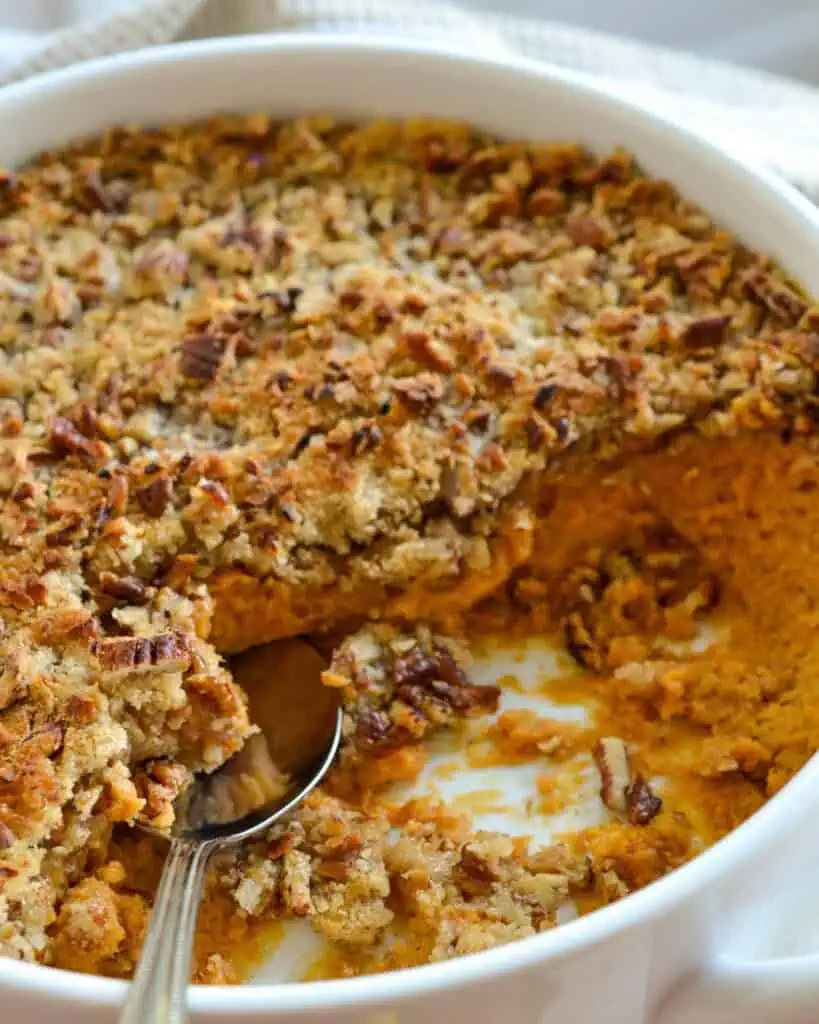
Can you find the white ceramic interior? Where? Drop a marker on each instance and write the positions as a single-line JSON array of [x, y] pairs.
[[620, 963]]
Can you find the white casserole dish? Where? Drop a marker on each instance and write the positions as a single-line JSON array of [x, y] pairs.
[[684, 950]]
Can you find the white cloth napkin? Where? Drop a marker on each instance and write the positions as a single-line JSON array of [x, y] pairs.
[[765, 119]]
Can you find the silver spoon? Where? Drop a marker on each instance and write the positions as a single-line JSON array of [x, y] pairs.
[[300, 726]]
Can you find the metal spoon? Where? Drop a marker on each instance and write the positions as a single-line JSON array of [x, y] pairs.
[[300, 732]]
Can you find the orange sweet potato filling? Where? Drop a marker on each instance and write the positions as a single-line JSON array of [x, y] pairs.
[[249, 611], [727, 726]]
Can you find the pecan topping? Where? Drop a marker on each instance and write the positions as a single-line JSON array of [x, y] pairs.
[[709, 332], [285, 299], [93, 194], [67, 440], [304, 441], [544, 396], [780, 299], [159, 784], [421, 666], [445, 156], [427, 678], [501, 376], [124, 588], [500, 207], [66, 533], [201, 356], [153, 499], [641, 803], [163, 652], [162, 258], [374, 728], [366, 438], [587, 231], [545, 202], [420, 393], [611, 757], [428, 350], [623, 376], [81, 709]]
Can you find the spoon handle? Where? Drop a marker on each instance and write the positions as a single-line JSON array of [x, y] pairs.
[[157, 993]]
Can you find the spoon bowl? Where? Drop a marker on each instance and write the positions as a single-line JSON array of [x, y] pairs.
[[300, 724]]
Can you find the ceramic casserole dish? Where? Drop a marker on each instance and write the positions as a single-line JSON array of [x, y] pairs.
[[691, 947]]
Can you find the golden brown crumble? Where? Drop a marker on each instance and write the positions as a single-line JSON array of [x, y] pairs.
[[260, 379]]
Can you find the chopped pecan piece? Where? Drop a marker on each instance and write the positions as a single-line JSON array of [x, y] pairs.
[[93, 194], [780, 299], [427, 678], [81, 709], [641, 803], [366, 438], [443, 156], [481, 699], [545, 202], [163, 652], [374, 728], [422, 666], [201, 356], [420, 393], [46, 742], [623, 376], [708, 332], [66, 533], [588, 231], [484, 855], [285, 299], [124, 588], [428, 350], [67, 440], [544, 396], [159, 785], [611, 757], [153, 499], [499, 207]]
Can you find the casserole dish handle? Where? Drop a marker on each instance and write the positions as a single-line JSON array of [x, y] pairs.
[[732, 990]]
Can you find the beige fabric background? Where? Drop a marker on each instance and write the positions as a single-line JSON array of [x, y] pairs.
[[765, 119]]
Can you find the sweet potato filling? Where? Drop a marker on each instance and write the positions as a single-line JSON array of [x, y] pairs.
[[248, 611]]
